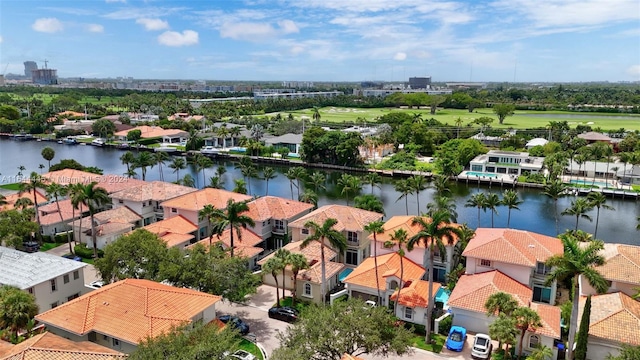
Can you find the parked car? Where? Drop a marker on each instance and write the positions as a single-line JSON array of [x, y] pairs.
[[72, 257], [236, 323], [481, 347], [284, 313], [456, 339], [30, 246], [241, 355], [96, 284]]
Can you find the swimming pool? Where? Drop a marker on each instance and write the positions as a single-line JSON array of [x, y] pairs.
[[589, 182], [481, 174], [442, 296]]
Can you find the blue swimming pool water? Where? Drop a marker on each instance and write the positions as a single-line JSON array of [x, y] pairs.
[[442, 296], [588, 182], [481, 174]]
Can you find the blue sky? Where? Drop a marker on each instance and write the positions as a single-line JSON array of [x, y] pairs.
[[326, 40]]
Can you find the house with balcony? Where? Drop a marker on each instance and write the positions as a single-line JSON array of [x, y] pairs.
[[145, 199], [53, 222], [54, 347], [248, 244], [621, 270], [189, 206], [52, 280], [350, 222], [121, 315], [506, 162], [419, 254], [109, 226], [175, 232], [272, 216]]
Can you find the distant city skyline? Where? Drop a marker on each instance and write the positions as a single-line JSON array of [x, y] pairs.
[[326, 40]]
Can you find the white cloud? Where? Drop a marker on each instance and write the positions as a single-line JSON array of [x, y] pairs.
[[400, 56], [255, 31], [174, 38], [288, 27], [47, 25], [0, 39], [296, 50], [153, 24], [146, 12], [634, 70], [95, 28]]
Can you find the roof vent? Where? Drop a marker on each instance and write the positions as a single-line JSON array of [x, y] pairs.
[[531, 246]]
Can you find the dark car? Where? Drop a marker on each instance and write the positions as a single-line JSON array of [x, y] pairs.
[[30, 246], [236, 323], [72, 257], [284, 313]]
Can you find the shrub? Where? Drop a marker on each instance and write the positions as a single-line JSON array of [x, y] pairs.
[[445, 326], [84, 252]]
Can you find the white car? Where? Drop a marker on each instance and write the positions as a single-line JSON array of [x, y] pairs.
[[481, 347], [242, 355], [370, 303], [96, 284]]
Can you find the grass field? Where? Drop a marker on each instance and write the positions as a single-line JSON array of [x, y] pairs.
[[521, 119], [46, 98]]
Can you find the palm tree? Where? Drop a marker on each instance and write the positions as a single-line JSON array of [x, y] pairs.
[[48, 154], [41, 166], [35, 182], [232, 217], [17, 310], [399, 238], [160, 158], [216, 182], [249, 172], [492, 202], [142, 161], [441, 184], [177, 164], [274, 265], [374, 228], [268, 173], [301, 174], [55, 191], [541, 352], [298, 262], [207, 213], [188, 180], [443, 203], [350, 184], [74, 192], [234, 132], [596, 152], [503, 329], [417, 183], [403, 187], [240, 186], [317, 179], [202, 163], [309, 197], [555, 190], [283, 255], [526, 319], [577, 260], [3, 200], [432, 234], [458, 123], [373, 179], [369, 202], [316, 114], [579, 208], [511, 200], [598, 200], [500, 303], [291, 175], [476, 200], [94, 197], [322, 233], [127, 159], [21, 168]]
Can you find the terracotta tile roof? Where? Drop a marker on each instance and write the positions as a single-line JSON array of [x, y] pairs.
[[473, 290], [172, 239], [121, 215], [196, 201], [311, 252], [173, 231], [48, 346], [349, 218], [248, 251], [614, 317], [510, 246], [388, 265], [314, 273], [245, 246], [152, 132], [273, 207], [110, 182], [550, 319], [155, 190], [416, 294], [404, 222], [622, 263], [49, 213], [129, 310], [350, 357], [12, 198]]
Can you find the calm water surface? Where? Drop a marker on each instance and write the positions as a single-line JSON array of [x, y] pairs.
[[536, 213]]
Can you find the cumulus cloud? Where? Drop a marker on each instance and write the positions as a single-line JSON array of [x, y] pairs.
[[95, 28], [174, 38], [400, 56], [254, 31], [0, 39], [153, 24], [288, 27], [634, 70], [47, 25]]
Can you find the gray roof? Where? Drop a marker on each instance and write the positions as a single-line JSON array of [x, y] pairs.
[[27, 270], [285, 139]]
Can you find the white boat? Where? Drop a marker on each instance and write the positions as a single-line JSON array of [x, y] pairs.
[[167, 149], [98, 142], [70, 140], [209, 150]]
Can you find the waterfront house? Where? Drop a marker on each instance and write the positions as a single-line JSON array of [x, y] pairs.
[[167, 136], [351, 223], [53, 222], [361, 282], [414, 299], [54, 347], [175, 232], [621, 270], [145, 199], [273, 214], [506, 162], [12, 198], [190, 204], [213, 137], [110, 182], [248, 245], [614, 321], [109, 226], [123, 314], [289, 141], [419, 254], [52, 280], [519, 254]]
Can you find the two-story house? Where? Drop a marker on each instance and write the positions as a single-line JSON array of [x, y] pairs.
[[189, 206], [54, 222], [621, 269], [419, 254], [52, 280], [506, 162], [175, 232], [145, 199], [109, 226], [272, 216], [123, 314], [350, 222], [247, 245]]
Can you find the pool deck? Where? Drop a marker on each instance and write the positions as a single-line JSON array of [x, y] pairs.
[[498, 179]]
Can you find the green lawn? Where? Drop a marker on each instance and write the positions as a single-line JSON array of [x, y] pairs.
[[14, 186], [300, 305], [252, 348], [521, 119], [48, 246], [436, 347]]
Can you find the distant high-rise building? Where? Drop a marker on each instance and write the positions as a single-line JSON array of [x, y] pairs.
[[420, 82], [29, 66], [45, 76]]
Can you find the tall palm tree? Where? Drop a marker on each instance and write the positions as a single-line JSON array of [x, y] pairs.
[[492, 202], [48, 154], [598, 200], [188, 180], [202, 163], [417, 183], [301, 175], [298, 262], [399, 238], [273, 266], [511, 200], [443, 203], [35, 182], [291, 175], [283, 255], [233, 218], [55, 191], [249, 172], [349, 184], [477, 200], [316, 114], [526, 319], [403, 187], [317, 179], [142, 161], [19, 308], [240, 186], [207, 213], [500, 303], [596, 151], [579, 208], [433, 233], [374, 228], [178, 163], [159, 158], [74, 192], [373, 179], [268, 173], [127, 159], [441, 184], [555, 190], [577, 260], [94, 197], [322, 233], [309, 197]]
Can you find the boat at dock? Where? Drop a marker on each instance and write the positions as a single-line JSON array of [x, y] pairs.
[[70, 140], [98, 142]]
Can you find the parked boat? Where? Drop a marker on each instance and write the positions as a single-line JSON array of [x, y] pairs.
[[98, 142], [167, 149], [208, 150], [70, 140]]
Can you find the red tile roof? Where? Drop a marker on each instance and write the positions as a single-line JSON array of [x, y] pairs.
[[473, 290], [349, 218], [246, 246], [622, 263], [155, 190], [388, 265], [405, 223], [49, 213], [415, 294], [173, 231], [314, 273], [129, 310], [273, 207], [614, 317], [47, 346], [550, 319], [312, 252], [110, 182], [11, 199], [196, 201]]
